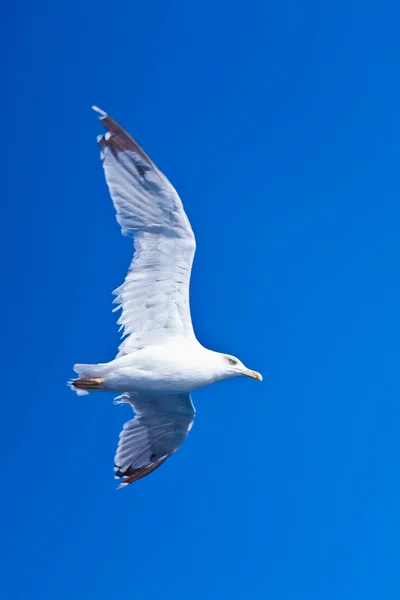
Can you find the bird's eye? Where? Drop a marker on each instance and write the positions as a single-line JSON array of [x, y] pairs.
[[231, 361]]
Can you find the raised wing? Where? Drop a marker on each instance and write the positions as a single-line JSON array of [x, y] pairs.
[[155, 294], [160, 426]]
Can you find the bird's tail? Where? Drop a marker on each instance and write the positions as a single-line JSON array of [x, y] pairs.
[[91, 378]]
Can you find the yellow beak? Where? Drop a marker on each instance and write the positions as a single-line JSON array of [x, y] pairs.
[[253, 374]]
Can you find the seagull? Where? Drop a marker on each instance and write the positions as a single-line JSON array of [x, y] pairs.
[[159, 361]]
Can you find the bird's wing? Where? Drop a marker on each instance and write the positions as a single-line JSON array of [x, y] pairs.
[[155, 294], [160, 426]]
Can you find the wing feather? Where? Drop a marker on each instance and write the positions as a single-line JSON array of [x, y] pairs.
[[159, 428], [154, 298]]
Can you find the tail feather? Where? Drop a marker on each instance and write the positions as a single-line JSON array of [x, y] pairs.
[[89, 370], [77, 390], [84, 385], [91, 378], [88, 383]]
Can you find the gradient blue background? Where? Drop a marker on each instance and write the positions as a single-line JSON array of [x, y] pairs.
[[279, 124]]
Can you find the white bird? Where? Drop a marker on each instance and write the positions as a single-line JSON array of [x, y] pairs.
[[160, 360]]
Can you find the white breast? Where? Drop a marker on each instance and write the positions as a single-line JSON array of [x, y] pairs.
[[175, 367]]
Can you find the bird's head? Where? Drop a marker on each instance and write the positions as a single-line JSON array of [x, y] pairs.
[[231, 366]]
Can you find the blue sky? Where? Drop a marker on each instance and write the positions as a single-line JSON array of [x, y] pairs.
[[279, 124]]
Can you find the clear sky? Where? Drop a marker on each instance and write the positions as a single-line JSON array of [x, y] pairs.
[[279, 124]]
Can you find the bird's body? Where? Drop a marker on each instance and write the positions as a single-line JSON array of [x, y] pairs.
[[177, 366], [160, 360]]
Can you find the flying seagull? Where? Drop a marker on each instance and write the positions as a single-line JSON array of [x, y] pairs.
[[160, 360]]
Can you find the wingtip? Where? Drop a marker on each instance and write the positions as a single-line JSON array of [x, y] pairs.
[[122, 484], [101, 112]]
